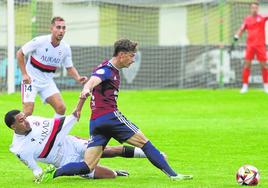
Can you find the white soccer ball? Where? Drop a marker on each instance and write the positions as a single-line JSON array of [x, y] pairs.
[[248, 175]]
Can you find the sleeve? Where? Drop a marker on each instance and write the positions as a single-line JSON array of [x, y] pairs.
[[67, 63], [28, 160], [104, 73], [30, 46], [68, 124]]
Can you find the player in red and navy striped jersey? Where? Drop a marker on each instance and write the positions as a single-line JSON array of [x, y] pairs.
[[108, 122]]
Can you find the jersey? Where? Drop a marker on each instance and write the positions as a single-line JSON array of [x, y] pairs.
[[255, 27], [44, 58], [43, 143], [104, 96]]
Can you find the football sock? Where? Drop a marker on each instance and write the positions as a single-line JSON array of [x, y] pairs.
[[265, 75], [132, 152], [56, 115], [245, 75], [72, 169], [138, 153], [157, 159]]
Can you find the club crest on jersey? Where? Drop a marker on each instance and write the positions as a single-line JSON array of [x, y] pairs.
[[36, 123], [258, 19], [60, 52], [46, 49], [100, 71]]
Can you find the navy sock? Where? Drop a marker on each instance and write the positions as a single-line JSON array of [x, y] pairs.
[[157, 159], [72, 169]]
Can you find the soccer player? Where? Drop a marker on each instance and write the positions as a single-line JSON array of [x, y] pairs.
[[107, 122], [45, 54], [255, 45], [47, 140]]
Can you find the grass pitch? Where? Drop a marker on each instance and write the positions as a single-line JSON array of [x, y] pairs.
[[207, 133]]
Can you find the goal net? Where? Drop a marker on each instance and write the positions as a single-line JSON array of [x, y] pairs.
[[182, 43]]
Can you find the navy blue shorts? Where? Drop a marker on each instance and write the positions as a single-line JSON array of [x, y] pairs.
[[111, 125]]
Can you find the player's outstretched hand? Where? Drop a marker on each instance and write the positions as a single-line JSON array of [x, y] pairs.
[[82, 79], [77, 114], [37, 179], [26, 79], [85, 93]]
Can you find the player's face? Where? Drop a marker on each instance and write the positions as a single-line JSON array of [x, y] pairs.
[[127, 58], [58, 30], [254, 9], [21, 124]]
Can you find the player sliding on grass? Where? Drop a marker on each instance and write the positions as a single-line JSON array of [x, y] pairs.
[[46, 54], [107, 122], [47, 140], [255, 26]]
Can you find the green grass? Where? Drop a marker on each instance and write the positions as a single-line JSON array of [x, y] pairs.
[[207, 133]]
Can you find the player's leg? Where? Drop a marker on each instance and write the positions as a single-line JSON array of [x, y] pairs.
[[28, 94], [92, 156], [125, 131], [249, 55], [261, 57], [122, 151], [52, 96]]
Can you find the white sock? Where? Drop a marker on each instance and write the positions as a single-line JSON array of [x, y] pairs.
[[138, 153], [245, 86], [56, 115]]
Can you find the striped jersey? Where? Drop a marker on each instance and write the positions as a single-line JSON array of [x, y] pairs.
[[43, 142], [104, 96], [44, 58]]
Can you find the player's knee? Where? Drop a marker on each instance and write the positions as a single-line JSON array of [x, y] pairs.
[[142, 139], [247, 65], [61, 109]]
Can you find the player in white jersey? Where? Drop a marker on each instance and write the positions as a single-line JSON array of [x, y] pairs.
[[45, 55], [47, 140]]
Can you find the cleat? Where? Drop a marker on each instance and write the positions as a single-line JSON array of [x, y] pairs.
[[48, 175], [181, 177], [121, 173]]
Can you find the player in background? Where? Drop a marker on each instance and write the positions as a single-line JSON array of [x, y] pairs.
[[45, 54], [254, 24], [47, 140], [107, 122]]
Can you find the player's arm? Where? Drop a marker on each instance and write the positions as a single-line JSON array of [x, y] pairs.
[[240, 31], [71, 70], [87, 90], [21, 62], [74, 73], [27, 159], [24, 50], [89, 86]]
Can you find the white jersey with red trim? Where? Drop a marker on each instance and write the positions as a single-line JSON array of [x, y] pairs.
[[43, 143], [44, 58]]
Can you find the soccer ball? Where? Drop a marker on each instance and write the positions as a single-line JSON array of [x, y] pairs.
[[248, 175]]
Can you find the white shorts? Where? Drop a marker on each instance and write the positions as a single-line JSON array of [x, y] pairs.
[[73, 149], [29, 91]]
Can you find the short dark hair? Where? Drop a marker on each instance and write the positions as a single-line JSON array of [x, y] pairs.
[[10, 117], [124, 45], [56, 18], [254, 3]]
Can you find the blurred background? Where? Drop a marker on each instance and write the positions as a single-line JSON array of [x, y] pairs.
[[182, 43]]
